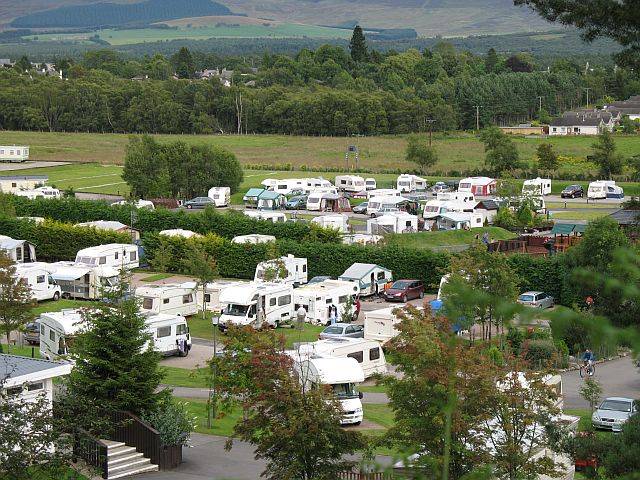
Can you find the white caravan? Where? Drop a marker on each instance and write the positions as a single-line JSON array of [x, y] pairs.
[[370, 184], [380, 325], [397, 222], [368, 353], [139, 204], [212, 292], [604, 189], [176, 299], [79, 280], [411, 183], [483, 186], [383, 192], [170, 334], [296, 270], [269, 216], [179, 232], [370, 278], [338, 222], [537, 187], [14, 153], [39, 280], [39, 192], [350, 183], [20, 251], [256, 304], [253, 239], [361, 239], [114, 255], [462, 197], [221, 196], [317, 298], [377, 205]]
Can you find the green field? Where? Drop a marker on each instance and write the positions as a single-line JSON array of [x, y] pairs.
[[430, 240]]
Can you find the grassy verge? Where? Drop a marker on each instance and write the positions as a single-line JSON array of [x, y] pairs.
[[182, 377], [223, 425], [156, 277], [379, 413], [372, 388], [446, 238], [26, 351], [52, 306], [577, 215]]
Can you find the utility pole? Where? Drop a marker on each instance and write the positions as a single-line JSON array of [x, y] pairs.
[[430, 122], [587, 89], [478, 107]]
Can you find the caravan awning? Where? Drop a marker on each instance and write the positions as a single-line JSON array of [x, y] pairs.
[[254, 192], [567, 228]]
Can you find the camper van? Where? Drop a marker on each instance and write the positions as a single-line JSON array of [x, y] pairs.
[[350, 183], [604, 189], [170, 334], [537, 187], [398, 222], [176, 299], [370, 278], [255, 304], [338, 222], [411, 183], [220, 196], [212, 292], [268, 216], [40, 281], [317, 298], [83, 281], [368, 353], [343, 376], [296, 270], [114, 255], [370, 184], [253, 239]]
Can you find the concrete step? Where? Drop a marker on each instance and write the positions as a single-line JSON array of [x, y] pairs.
[[112, 444], [135, 463], [133, 471], [115, 461], [119, 451]]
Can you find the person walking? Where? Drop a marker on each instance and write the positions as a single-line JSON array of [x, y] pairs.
[[332, 314]]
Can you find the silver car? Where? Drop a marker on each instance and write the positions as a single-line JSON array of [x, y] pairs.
[[536, 300], [613, 413], [342, 330]]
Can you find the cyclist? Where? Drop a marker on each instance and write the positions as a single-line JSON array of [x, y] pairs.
[[588, 358]]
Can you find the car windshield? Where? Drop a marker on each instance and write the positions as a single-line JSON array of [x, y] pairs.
[[333, 330], [345, 390], [616, 405], [236, 310], [400, 285], [526, 298]]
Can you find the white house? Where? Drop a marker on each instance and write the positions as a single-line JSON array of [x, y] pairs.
[[14, 153], [582, 123], [30, 377], [15, 183]]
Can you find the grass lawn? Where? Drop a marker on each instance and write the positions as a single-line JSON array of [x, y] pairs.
[[220, 426], [378, 413], [182, 377], [372, 388], [578, 215], [156, 277], [26, 351], [446, 238], [62, 304]]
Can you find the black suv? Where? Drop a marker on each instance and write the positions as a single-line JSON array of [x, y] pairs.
[[572, 191]]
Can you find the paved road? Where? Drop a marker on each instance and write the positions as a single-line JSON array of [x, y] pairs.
[[8, 166]]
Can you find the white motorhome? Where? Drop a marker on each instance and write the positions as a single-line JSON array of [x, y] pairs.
[[537, 187], [343, 376], [378, 205], [212, 291], [221, 196], [397, 222], [170, 334], [39, 192], [602, 189], [411, 183], [256, 304], [319, 185], [14, 153], [370, 278], [39, 280], [296, 270], [269, 216], [79, 280], [338, 222], [114, 255], [176, 299], [368, 353], [139, 204], [253, 239], [179, 232], [383, 192], [370, 183], [317, 298], [350, 183], [20, 251]]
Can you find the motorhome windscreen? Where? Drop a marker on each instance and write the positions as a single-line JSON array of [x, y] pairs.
[[236, 310], [345, 391]]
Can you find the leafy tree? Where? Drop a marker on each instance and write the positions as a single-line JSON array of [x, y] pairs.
[[491, 61], [358, 45], [184, 63], [634, 164], [420, 153], [629, 126], [172, 420], [143, 171], [622, 458], [23, 64], [591, 391], [6, 205], [501, 153], [547, 157], [16, 299], [605, 155], [520, 63]]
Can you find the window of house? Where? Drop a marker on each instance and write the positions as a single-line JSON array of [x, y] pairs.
[[12, 392], [147, 303], [163, 332], [182, 329], [284, 300], [374, 353], [357, 355], [187, 298], [40, 279], [273, 301]]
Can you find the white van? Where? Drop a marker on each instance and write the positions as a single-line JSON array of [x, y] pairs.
[[370, 183], [411, 183], [537, 186], [350, 183], [255, 304], [114, 255], [176, 299], [368, 353], [170, 334], [296, 270], [40, 281], [269, 216], [317, 298], [221, 196], [79, 280]]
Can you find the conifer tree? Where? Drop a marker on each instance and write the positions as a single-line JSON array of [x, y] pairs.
[[358, 45]]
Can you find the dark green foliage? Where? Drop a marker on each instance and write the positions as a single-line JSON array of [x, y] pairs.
[[542, 274], [183, 63], [547, 157], [492, 61], [539, 353], [420, 153], [605, 156], [623, 454], [358, 45], [520, 63], [502, 154]]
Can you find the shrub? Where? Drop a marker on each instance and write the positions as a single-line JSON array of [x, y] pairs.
[[172, 420], [540, 353], [515, 337]]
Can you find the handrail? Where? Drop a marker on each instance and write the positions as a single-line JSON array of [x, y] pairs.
[[133, 431], [91, 449]]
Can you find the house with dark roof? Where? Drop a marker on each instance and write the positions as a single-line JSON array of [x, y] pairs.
[[30, 377], [584, 122], [629, 221], [488, 209]]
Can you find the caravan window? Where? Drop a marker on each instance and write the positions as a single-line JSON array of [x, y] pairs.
[[41, 329], [381, 275], [284, 300], [166, 300], [207, 297], [357, 355], [133, 256], [32, 387], [343, 299], [163, 332], [19, 254], [273, 301], [182, 329], [40, 279], [147, 303], [102, 261], [116, 255], [187, 298], [304, 268], [374, 353], [329, 301], [52, 335]]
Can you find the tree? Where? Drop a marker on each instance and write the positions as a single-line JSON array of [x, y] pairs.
[[605, 155], [520, 63], [591, 391], [358, 45], [491, 61], [501, 153], [183, 63], [420, 153], [7, 207], [547, 157], [16, 299], [23, 64], [634, 164], [629, 126]]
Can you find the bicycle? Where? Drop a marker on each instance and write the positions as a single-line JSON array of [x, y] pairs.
[[587, 369]]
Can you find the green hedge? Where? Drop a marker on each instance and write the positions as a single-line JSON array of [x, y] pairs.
[[227, 225], [545, 274], [57, 241]]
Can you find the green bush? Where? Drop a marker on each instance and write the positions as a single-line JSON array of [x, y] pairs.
[[540, 353]]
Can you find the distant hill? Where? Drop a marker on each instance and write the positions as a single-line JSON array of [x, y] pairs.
[[116, 14]]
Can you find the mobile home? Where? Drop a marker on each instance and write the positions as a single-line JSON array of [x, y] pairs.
[[370, 184], [411, 183], [114, 255], [602, 189], [338, 222], [175, 299], [537, 187], [170, 334], [274, 217], [350, 183], [79, 280], [368, 353], [14, 153], [253, 239], [20, 251], [15, 183], [221, 196], [483, 186], [370, 279], [39, 280], [317, 298], [397, 222], [179, 232], [256, 304], [327, 202], [296, 270]]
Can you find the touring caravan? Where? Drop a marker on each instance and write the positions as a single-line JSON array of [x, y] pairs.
[[604, 189], [221, 196], [397, 222], [212, 292], [459, 221], [39, 280], [268, 216], [295, 270], [114, 255], [317, 298], [179, 232], [256, 304], [139, 204], [176, 299], [253, 239], [466, 198], [383, 192], [327, 202], [338, 222], [341, 374], [537, 187], [20, 251], [370, 184], [368, 353], [83, 281], [411, 183], [483, 186], [39, 192], [350, 183], [380, 205], [361, 239], [380, 325], [370, 278], [14, 153], [170, 334]]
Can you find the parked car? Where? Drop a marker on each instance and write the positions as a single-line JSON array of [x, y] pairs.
[[32, 333], [318, 279], [199, 202], [613, 412], [296, 203], [404, 290], [440, 187], [342, 330], [572, 191], [536, 300], [362, 208]]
